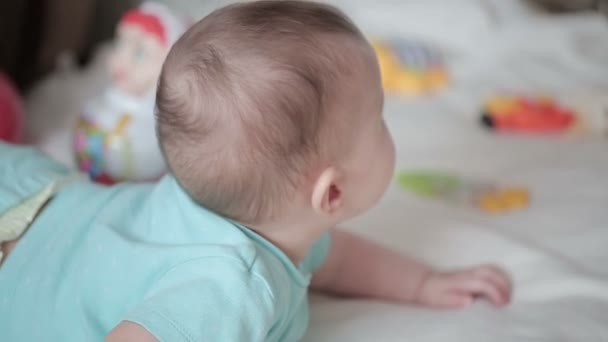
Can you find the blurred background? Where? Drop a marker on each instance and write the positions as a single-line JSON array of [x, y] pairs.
[[35, 33]]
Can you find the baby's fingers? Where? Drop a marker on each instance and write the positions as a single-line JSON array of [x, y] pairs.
[[453, 300], [498, 278], [486, 288]]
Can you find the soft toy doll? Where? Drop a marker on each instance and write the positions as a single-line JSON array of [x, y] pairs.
[[115, 138]]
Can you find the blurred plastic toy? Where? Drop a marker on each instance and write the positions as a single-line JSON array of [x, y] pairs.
[[115, 137], [490, 198], [410, 67], [592, 113], [527, 115], [11, 112]]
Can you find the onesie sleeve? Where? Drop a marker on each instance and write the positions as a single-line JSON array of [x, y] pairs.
[[25, 171], [213, 299]]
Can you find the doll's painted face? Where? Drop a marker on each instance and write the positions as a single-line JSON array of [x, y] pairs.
[[137, 58]]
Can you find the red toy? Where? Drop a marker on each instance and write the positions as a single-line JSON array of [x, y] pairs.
[[11, 112], [528, 115]]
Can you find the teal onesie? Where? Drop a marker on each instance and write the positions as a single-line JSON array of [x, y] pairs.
[[96, 256]]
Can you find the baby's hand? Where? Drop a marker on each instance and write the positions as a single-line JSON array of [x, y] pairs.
[[453, 290]]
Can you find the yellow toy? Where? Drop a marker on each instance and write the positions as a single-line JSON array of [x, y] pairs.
[[504, 200], [410, 68]]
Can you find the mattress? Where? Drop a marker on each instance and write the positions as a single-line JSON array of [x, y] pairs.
[[556, 251]]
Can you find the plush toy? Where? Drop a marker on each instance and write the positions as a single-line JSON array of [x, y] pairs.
[[490, 198], [410, 68], [11, 112], [115, 137]]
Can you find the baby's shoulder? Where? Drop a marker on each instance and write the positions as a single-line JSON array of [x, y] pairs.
[[215, 294], [226, 257], [251, 259], [245, 261]]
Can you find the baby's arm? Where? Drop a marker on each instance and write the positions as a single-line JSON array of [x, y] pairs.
[[357, 267]]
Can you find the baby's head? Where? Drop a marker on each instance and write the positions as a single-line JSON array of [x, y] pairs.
[[270, 111]]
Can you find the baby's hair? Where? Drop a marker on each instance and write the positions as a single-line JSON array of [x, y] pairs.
[[242, 102]]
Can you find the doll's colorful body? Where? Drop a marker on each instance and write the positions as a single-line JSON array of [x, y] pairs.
[[115, 138]]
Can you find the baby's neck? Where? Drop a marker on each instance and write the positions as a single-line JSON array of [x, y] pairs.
[[295, 240]]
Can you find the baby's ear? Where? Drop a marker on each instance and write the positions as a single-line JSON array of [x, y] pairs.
[[327, 193]]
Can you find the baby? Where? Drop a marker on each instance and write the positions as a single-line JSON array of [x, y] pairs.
[[270, 119]]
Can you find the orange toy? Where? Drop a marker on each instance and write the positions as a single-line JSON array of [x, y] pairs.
[[527, 115]]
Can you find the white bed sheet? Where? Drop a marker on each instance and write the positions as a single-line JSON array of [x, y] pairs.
[[556, 252]]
